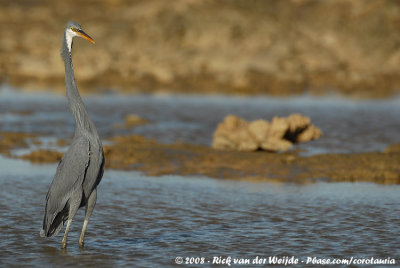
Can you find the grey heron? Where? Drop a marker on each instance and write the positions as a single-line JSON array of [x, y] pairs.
[[82, 166]]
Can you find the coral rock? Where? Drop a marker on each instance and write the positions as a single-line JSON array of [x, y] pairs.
[[310, 133], [259, 129], [235, 133]]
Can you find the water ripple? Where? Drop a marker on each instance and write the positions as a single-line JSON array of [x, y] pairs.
[[145, 221]]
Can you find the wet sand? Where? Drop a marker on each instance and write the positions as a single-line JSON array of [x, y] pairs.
[[153, 158]]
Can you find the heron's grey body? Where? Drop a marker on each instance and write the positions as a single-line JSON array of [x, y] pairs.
[[81, 169]]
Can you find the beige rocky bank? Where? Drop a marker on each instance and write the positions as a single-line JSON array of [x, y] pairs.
[[196, 46], [235, 133]]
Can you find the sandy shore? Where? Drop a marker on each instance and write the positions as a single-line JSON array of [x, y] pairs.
[[231, 47]]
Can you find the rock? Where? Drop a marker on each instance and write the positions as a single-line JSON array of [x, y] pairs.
[[259, 129], [235, 133], [310, 133], [132, 120], [275, 144], [247, 144], [233, 122], [279, 127], [297, 122]]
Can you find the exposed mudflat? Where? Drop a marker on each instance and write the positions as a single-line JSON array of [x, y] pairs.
[[13, 140], [184, 159], [155, 159]]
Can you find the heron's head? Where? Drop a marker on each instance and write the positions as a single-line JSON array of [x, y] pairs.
[[74, 29]]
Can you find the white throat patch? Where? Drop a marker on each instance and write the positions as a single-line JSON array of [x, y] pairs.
[[69, 35]]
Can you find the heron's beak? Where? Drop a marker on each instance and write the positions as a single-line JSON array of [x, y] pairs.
[[84, 35]]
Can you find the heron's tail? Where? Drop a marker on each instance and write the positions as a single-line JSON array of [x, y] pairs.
[[52, 227]]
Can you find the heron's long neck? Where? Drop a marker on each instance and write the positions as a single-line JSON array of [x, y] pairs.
[[83, 123]]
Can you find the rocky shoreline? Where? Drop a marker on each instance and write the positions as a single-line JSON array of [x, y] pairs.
[[277, 48]]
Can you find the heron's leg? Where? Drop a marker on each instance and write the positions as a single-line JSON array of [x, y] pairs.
[[64, 240], [73, 208], [89, 209]]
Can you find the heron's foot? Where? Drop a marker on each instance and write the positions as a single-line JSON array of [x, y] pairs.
[[81, 243], [63, 244]]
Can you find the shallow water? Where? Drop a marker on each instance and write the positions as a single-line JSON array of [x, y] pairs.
[[143, 221], [147, 221], [349, 126]]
